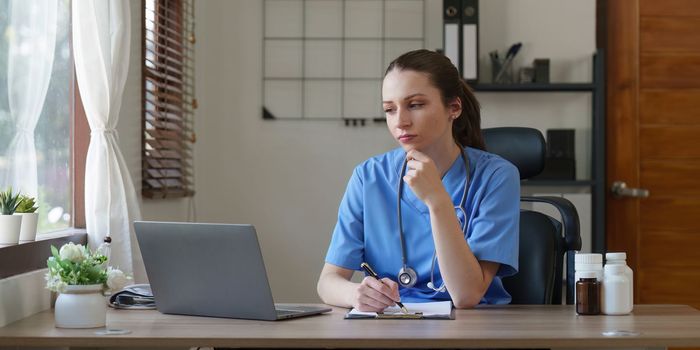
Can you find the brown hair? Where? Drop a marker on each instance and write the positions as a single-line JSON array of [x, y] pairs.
[[466, 129]]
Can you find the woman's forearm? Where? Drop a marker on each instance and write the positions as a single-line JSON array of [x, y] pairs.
[[336, 290], [461, 271]]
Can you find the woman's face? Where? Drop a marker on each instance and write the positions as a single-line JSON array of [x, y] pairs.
[[415, 114]]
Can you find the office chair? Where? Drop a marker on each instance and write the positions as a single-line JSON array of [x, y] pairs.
[[543, 245]]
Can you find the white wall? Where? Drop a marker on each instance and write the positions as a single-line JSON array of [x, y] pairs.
[[287, 177], [23, 295]]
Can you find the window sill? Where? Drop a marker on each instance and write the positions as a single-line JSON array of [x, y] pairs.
[[21, 258]]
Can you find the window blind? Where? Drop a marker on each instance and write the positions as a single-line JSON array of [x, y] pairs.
[[168, 99]]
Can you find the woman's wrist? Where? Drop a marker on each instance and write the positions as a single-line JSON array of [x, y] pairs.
[[441, 201], [351, 294]]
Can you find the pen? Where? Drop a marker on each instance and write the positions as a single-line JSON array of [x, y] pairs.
[[365, 266]]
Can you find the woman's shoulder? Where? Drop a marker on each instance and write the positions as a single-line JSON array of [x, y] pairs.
[[492, 164]]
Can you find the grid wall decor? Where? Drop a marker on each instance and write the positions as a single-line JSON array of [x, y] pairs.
[[325, 59]]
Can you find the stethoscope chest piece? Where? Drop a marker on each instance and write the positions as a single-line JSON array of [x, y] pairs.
[[407, 277]]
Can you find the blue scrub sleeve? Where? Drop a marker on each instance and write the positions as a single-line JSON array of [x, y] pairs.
[[495, 227], [347, 244]]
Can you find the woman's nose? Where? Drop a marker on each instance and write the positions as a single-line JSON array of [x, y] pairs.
[[403, 118]]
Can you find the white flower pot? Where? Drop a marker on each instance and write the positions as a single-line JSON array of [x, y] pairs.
[[9, 229], [81, 307], [28, 231]]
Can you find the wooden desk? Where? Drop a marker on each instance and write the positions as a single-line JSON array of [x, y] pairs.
[[487, 327]]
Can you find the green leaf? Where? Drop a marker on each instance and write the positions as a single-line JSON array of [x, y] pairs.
[[9, 201], [26, 205]]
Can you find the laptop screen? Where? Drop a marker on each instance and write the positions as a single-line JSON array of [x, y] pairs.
[[206, 269]]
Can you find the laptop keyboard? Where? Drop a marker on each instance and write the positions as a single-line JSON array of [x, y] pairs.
[[286, 312]]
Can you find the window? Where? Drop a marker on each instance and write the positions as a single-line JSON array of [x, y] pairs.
[[168, 98], [52, 135]]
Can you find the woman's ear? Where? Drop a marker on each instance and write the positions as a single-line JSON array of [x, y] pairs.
[[455, 107]]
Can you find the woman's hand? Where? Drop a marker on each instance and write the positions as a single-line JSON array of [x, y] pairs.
[[373, 295], [424, 179]]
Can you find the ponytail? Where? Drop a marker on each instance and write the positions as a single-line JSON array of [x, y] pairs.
[[466, 129]]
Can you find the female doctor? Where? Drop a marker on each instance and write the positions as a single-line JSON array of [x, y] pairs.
[[437, 218]]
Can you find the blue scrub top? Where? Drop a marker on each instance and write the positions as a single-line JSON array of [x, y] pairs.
[[367, 227]]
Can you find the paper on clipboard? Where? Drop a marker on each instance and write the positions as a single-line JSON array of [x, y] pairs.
[[429, 310]]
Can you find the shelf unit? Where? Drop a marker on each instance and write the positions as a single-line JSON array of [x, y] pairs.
[[597, 175], [553, 87]]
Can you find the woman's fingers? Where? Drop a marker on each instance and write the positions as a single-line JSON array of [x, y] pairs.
[[393, 289], [373, 295]]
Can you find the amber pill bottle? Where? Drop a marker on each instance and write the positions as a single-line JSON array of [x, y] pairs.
[[587, 294]]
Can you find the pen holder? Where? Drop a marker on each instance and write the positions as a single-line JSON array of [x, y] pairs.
[[501, 73]]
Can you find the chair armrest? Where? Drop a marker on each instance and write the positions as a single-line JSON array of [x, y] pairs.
[[572, 236], [569, 218]]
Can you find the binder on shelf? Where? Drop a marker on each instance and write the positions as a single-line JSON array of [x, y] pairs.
[[451, 30], [470, 40]]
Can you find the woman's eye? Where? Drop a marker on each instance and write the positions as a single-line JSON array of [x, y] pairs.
[[415, 105], [388, 110]]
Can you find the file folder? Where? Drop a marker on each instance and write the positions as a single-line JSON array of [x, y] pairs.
[[470, 40], [451, 31]]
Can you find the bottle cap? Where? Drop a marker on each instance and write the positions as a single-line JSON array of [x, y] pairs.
[[587, 274], [616, 256], [588, 259]]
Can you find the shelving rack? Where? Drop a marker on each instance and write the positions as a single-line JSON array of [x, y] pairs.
[[597, 177]]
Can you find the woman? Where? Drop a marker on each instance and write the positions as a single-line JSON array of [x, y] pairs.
[[426, 242]]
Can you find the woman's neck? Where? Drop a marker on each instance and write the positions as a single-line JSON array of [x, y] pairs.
[[444, 155]]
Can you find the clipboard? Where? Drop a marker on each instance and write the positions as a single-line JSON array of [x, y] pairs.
[[440, 310]]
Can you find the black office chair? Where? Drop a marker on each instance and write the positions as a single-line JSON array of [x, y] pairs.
[[543, 245]]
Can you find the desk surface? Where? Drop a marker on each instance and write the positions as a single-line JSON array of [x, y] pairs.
[[487, 327]]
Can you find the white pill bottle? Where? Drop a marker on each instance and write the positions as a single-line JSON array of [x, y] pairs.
[[616, 291], [620, 258]]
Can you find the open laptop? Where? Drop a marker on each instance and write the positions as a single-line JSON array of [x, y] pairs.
[[210, 270]]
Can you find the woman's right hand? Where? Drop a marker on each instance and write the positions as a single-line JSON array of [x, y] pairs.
[[373, 295]]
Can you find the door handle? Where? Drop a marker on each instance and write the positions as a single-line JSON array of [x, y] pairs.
[[620, 189]]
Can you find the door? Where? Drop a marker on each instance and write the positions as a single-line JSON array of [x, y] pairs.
[[653, 143]]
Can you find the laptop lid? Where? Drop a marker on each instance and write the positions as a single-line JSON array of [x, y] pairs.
[[206, 269]]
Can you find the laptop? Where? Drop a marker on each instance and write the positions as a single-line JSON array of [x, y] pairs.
[[214, 270]]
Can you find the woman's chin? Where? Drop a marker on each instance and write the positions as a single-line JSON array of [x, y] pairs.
[[410, 147]]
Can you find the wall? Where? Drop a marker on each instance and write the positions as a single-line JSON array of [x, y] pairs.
[[284, 177], [287, 177]]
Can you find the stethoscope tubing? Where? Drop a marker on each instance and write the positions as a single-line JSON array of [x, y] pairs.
[[404, 260]]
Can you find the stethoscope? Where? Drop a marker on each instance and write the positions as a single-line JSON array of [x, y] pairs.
[[407, 276]]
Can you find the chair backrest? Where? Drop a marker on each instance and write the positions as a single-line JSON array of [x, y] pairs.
[[544, 241]]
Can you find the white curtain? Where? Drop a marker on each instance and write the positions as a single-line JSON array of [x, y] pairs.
[[101, 38], [32, 39]]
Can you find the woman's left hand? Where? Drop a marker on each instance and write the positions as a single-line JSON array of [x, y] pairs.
[[423, 177]]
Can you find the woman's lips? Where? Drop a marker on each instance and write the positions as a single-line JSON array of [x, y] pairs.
[[406, 138]]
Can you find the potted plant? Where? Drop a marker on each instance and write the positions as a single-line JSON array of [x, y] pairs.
[[9, 224], [80, 277], [27, 210]]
